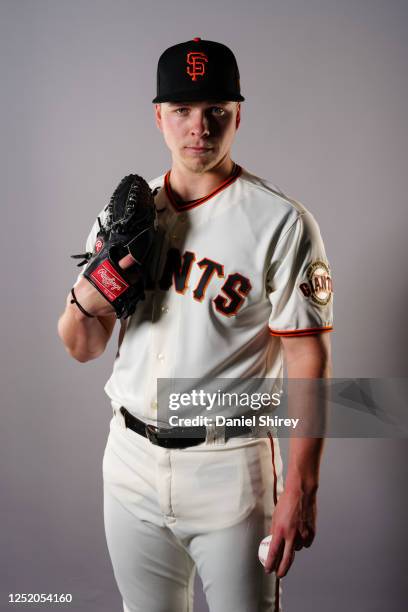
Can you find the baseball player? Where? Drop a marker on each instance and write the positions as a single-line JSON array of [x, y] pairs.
[[239, 285]]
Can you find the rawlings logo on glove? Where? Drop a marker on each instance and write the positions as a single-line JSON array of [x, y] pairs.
[[129, 228]]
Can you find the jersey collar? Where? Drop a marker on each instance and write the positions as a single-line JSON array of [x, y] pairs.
[[181, 206]]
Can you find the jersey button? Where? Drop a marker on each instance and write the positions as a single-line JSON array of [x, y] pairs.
[[165, 309], [160, 356], [154, 405]]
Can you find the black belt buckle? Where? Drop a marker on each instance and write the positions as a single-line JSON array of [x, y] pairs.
[[151, 434], [170, 439]]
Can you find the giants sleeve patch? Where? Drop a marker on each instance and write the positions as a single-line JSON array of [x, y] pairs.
[[318, 286]]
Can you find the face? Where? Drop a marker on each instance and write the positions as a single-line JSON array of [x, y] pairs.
[[198, 134]]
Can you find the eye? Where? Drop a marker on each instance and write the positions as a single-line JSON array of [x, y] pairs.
[[182, 110], [218, 110]]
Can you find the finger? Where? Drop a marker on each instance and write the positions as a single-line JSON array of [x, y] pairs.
[[298, 541], [127, 261], [287, 559], [308, 536], [275, 553]]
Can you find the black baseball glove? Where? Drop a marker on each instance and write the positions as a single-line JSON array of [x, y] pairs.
[[129, 227]]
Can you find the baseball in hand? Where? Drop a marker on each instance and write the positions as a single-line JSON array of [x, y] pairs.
[[264, 549]]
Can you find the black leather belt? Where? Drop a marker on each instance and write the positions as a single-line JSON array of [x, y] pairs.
[[175, 437]]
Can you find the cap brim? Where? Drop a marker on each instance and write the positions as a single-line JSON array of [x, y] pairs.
[[189, 96]]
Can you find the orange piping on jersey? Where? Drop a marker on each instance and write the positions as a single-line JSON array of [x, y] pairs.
[[300, 332], [275, 501], [179, 207], [276, 595], [275, 480]]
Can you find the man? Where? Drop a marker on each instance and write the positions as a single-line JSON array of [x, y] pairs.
[[241, 279]]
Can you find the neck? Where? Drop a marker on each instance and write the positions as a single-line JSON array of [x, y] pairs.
[[188, 185]]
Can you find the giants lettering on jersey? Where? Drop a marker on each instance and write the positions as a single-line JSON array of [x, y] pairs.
[[177, 271]]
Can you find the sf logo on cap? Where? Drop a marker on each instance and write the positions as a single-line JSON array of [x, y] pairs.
[[196, 61]]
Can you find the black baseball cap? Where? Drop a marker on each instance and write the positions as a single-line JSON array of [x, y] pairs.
[[197, 70]]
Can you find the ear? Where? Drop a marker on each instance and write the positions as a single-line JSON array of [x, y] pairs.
[[158, 116], [238, 117]]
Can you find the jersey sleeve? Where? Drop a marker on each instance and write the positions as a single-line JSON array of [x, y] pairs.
[[299, 282]]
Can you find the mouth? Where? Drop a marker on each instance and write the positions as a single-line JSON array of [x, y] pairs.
[[198, 149]]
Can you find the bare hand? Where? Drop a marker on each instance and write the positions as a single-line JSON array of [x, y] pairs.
[[293, 527]]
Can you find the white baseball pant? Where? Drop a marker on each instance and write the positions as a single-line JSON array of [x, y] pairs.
[[171, 512]]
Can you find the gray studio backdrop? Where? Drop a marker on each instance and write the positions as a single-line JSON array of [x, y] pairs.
[[325, 119]]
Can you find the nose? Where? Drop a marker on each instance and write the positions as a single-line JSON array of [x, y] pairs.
[[199, 124]]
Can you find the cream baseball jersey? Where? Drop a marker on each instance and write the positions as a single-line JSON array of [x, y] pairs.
[[233, 272]]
